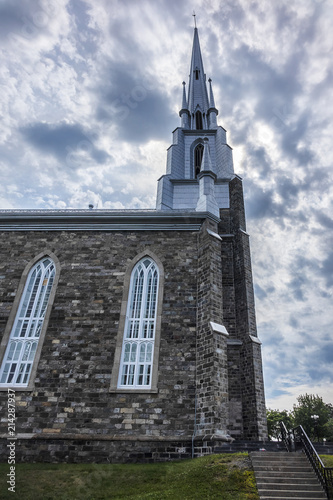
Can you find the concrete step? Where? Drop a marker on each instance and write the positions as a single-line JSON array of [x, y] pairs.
[[274, 453], [277, 456], [280, 463], [282, 468], [306, 495], [292, 498], [277, 460], [268, 479], [287, 486], [287, 475]]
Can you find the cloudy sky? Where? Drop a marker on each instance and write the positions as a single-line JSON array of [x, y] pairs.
[[90, 93]]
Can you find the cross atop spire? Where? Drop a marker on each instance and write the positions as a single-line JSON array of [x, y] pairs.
[[195, 20]]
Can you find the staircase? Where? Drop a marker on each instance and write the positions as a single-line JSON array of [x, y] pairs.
[[283, 476]]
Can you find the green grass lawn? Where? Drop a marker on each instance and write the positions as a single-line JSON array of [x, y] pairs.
[[225, 477], [327, 460]]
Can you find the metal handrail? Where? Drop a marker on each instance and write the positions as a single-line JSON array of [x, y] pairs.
[[286, 437], [298, 436]]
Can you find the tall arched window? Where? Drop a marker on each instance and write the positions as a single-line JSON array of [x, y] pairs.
[[198, 120], [25, 334], [140, 325], [198, 154]]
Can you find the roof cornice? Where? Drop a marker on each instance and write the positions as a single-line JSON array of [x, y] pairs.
[[102, 220]]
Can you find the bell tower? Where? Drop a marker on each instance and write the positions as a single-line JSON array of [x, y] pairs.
[[200, 179]]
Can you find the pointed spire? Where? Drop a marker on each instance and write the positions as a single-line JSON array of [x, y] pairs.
[[207, 201], [184, 103], [211, 96], [212, 111], [184, 112], [197, 93], [206, 163]]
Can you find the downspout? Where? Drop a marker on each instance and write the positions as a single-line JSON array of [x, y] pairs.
[[195, 422]]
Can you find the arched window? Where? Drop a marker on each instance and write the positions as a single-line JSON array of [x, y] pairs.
[[25, 334], [140, 325], [198, 153], [198, 120]]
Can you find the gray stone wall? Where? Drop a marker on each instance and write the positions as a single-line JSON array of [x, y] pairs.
[[71, 394]]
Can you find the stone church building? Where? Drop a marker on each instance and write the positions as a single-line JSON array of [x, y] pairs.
[[130, 334]]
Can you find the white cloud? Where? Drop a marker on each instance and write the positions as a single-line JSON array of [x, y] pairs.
[[288, 398]]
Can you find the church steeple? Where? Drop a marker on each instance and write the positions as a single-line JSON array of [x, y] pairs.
[[198, 103], [199, 163], [198, 111]]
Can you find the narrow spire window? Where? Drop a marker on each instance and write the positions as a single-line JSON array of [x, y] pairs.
[[197, 74], [198, 154], [25, 335], [138, 344], [198, 120]]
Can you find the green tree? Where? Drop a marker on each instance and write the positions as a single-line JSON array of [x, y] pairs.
[[313, 414], [328, 430], [274, 417]]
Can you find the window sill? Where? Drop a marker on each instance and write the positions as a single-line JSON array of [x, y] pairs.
[[135, 390], [16, 388]]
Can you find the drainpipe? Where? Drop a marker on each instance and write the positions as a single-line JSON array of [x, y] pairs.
[[195, 422]]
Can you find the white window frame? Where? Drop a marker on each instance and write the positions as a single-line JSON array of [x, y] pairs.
[[29, 325], [137, 356]]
